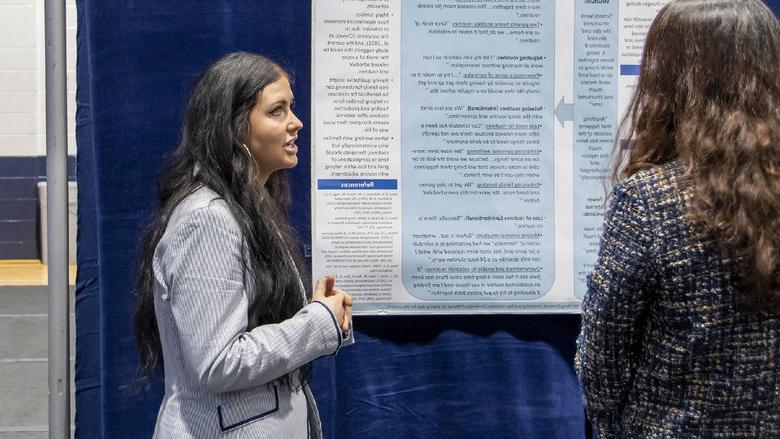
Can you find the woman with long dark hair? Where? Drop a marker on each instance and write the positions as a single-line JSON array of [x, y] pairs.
[[681, 320], [222, 306]]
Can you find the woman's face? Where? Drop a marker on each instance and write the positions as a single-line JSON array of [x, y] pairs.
[[273, 129]]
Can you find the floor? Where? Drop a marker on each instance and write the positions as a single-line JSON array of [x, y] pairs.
[[28, 272], [23, 349]]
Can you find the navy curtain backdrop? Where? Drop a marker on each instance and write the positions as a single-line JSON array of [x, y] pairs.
[[436, 376]]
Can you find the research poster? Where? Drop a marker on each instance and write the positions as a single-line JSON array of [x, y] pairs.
[[460, 148]]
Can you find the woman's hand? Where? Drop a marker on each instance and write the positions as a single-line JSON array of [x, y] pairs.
[[339, 302]]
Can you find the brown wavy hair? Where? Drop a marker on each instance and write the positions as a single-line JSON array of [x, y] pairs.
[[708, 96]]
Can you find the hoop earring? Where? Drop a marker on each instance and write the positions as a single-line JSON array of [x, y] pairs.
[[247, 149]]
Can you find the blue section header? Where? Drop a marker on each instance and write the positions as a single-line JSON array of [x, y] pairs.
[[629, 70], [357, 184]]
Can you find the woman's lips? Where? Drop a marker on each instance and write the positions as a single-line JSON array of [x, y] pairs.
[[292, 148]]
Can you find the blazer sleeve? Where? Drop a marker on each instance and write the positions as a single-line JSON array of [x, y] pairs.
[[613, 310], [208, 302]]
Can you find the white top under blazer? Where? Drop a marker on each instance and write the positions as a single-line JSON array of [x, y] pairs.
[[220, 379]]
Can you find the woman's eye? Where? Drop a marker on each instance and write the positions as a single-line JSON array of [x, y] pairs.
[[276, 111]]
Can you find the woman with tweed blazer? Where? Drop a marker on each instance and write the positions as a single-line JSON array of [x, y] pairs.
[[221, 303], [681, 321]]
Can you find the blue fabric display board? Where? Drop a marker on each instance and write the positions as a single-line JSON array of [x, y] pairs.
[[407, 377]]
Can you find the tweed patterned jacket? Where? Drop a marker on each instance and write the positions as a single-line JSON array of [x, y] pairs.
[[666, 349], [220, 379]]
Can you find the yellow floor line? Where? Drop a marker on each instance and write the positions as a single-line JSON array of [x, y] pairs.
[[28, 272]]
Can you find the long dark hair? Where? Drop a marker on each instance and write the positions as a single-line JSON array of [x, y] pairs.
[[216, 123], [708, 96]]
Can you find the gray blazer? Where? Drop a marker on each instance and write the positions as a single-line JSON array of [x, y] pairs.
[[220, 379]]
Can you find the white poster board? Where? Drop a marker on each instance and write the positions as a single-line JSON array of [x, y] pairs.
[[460, 148]]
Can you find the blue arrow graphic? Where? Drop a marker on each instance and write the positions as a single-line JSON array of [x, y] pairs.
[[564, 112]]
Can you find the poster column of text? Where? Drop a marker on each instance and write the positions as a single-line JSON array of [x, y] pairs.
[[595, 122], [635, 20], [356, 218], [477, 92], [609, 38]]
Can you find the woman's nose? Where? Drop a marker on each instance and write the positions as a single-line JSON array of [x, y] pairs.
[[295, 123]]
